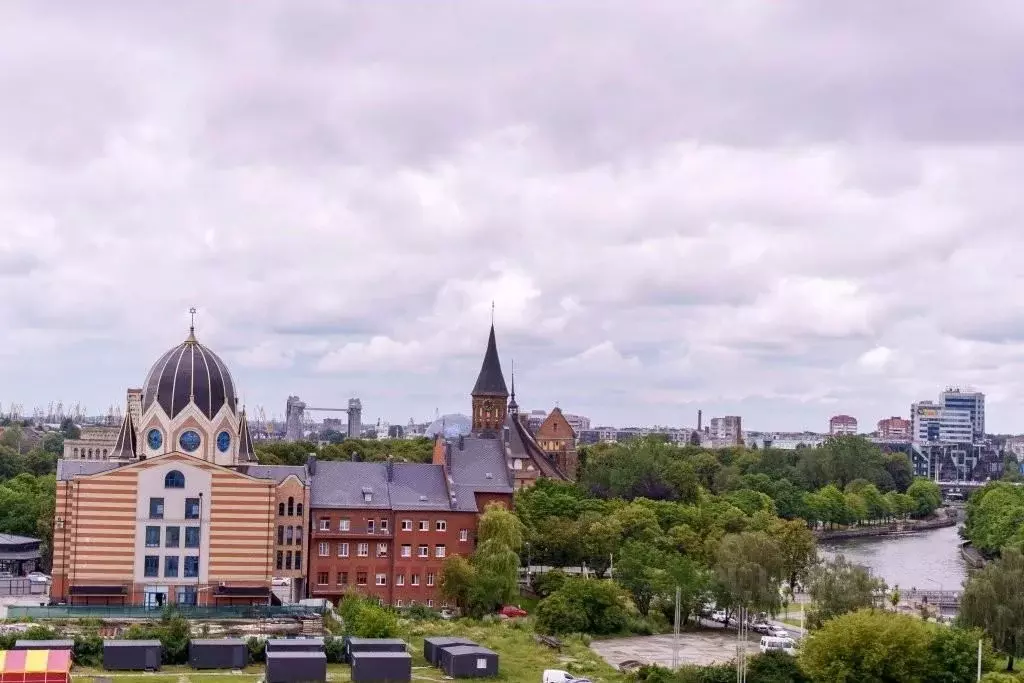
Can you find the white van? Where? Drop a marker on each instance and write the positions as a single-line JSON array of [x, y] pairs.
[[773, 643]]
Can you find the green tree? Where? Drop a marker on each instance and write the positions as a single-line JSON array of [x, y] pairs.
[[798, 549], [837, 587], [583, 606], [926, 496], [869, 647], [457, 578], [749, 566], [496, 561], [775, 667], [994, 602], [995, 514], [900, 470]]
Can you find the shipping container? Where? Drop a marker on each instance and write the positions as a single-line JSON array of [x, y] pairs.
[[432, 647], [44, 645], [381, 667], [131, 655], [352, 645], [222, 653], [295, 645], [469, 661], [296, 667]]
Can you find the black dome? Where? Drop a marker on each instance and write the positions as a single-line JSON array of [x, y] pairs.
[[189, 372]]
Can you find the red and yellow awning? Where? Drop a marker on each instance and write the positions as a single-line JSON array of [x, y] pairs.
[[35, 666]]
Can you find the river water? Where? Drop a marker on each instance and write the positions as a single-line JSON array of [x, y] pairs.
[[928, 560]]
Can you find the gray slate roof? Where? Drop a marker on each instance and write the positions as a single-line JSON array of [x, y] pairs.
[[14, 539], [341, 484], [69, 469], [276, 472], [490, 381]]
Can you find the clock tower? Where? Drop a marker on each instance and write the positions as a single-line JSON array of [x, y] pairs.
[[490, 395]]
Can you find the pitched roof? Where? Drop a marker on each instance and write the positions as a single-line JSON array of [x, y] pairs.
[[341, 484], [276, 472], [69, 469], [523, 445], [490, 381], [417, 486], [125, 446], [480, 465], [555, 426], [246, 453]]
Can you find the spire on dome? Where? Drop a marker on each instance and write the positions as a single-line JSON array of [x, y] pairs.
[[246, 452], [192, 326], [491, 382], [125, 446]]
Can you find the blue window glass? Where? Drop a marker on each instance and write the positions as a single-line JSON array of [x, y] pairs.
[[191, 567], [152, 565], [191, 508], [187, 595], [191, 537], [189, 441], [155, 439], [171, 566], [152, 537], [156, 508], [223, 442], [172, 537], [174, 480]]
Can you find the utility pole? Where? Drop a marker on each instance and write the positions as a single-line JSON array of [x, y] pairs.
[[675, 631], [979, 659]]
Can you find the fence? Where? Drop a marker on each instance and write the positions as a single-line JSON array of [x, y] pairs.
[[21, 586], [139, 612]]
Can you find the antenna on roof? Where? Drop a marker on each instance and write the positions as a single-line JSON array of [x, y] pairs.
[[492, 312]]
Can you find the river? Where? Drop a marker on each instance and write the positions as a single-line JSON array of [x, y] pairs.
[[928, 560]]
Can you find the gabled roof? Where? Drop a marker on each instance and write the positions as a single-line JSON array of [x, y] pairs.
[[276, 472], [69, 469], [125, 446], [490, 381], [523, 445], [555, 426], [480, 465], [341, 484], [418, 486]]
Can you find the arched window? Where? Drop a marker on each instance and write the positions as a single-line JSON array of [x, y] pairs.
[[280, 509], [174, 480], [291, 506], [298, 509]]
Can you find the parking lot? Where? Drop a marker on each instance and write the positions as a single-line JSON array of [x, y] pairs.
[[699, 647]]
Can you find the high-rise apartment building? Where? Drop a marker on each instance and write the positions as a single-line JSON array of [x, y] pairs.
[[726, 430], [931, 422], [973, 402], [842, 424], [895, 428]]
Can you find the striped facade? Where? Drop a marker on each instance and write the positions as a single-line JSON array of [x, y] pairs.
[[218, 524]]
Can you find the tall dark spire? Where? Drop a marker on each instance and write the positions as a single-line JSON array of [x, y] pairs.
[[246, 453], [126, 446], [513, 407], [491, 382]]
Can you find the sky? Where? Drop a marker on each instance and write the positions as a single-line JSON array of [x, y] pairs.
[[780, 210]]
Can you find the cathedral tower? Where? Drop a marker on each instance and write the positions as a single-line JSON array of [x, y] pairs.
[[490, 395]]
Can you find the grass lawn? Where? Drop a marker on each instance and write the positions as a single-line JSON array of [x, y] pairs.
[[521, 658]]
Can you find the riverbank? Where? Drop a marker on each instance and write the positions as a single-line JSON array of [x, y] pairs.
[[973, 558], [939, 521]]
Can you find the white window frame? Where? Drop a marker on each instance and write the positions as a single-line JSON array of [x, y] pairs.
[[406, 525], [370, 526], [430, 603], [424, 525], [319, 575], [414, 580], [324, 549], [382, 550], [344, 524], [400, 579], [363, 550], [440, 550], [343, 550], [430, 578], [441, 525], [398, 603], [463, 535], [382, 579], [383, 526], [423, 551], [406, 550], [325, 524]]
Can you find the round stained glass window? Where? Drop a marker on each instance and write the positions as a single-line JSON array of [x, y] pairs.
[[189, 441], [223, 441], [155, 439]]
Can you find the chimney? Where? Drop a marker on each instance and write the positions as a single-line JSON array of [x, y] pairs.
[[311, 464], [390, 465], [462, 443], [700, 419], [437, 457], [448, 458]]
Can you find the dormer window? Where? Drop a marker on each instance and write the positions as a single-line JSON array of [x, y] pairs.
[[367, 495]]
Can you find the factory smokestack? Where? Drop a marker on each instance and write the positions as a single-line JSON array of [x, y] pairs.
[[700, 419]]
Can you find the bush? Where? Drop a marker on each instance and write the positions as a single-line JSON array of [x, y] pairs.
[[583, 606], [420, 612], [367, 619], [775, 667], [257, 650], [334, 648], [549, 582], [88, 650]]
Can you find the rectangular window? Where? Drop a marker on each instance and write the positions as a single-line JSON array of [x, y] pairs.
[[288, 560], [400, 580], [406, 525], [172, 537], [343, 525], [430, 603], [156, 508], [280, 535], [382, 550], [322, 578], [191, 566], [288, 531], [325, 524], [171, 566], [439, 551], [187, 595], [342, 578], [382, 579], [406, 551], [463, 535], [369, 526], [360, 578], [414, 579], [191, 537], [191, 508], [423, 551], [398, 603], [430, 579], [280, 559], [441, 525], [152, 537], [325, 549], [424, 525], [298, 559], [152, 566], [363, 550], [298, 535], [343, 550], [384, 526]]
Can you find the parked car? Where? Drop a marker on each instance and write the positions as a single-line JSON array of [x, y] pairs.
[[770, 643], [719, 615], [763, 628], [778, 632], [281, 581], [559, 676], [38, 577], [448, 614], [512, 611]]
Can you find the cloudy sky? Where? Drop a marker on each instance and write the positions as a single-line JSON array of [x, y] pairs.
[[781, 210]]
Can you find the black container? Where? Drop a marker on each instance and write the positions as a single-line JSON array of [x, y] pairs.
[[223, 653], [131, 655], [381, 667], [295, 645], [296, 667], [351, 645], [432, 647], [44, 645], [469, 661]]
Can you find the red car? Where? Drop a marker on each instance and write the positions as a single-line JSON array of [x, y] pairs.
[[511, 611]]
